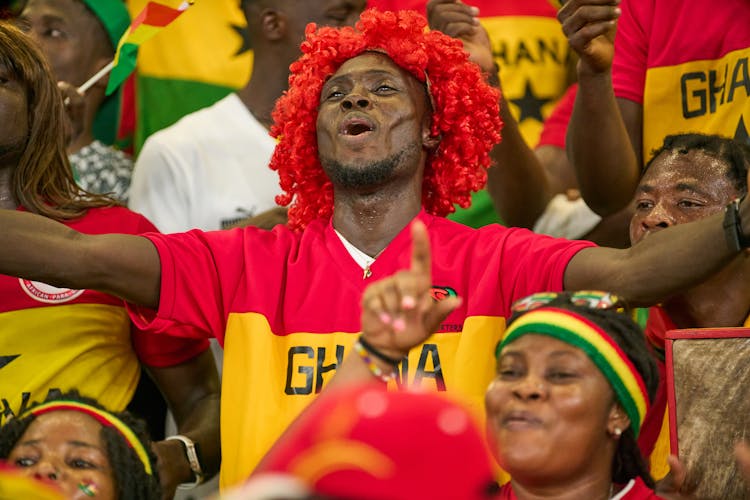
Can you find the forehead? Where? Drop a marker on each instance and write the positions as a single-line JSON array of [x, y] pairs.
[[542, 345], [370, 63], [71, 11], [67, 423], [672, 167]]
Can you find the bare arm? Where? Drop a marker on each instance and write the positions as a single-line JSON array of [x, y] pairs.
[[41, 249], [518, 183], [660, 265], [599, 138], [192, 391]]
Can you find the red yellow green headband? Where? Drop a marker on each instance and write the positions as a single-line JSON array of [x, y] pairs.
[[103, 417], [597, 344]]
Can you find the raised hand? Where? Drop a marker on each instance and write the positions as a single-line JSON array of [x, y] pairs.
[[458, 20], [398, 312], [590, 26]]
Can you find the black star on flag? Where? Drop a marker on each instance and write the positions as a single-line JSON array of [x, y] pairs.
[[245, 36], [530, 104], [5, 360], [740, 135]]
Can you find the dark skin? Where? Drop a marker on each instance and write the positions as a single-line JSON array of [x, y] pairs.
[[76, 45], [276, 28], [523, 181], [191, 388], [128, 266], [617, 123], [680, 188]]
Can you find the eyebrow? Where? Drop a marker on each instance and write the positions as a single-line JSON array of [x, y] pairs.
[[79, 444], [680, 186], [373, 73]]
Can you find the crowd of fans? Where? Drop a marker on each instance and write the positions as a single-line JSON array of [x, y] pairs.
[[366, 346]]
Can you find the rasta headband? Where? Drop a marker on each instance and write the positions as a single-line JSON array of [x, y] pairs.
[[103, 417], [598, 346], [113, 15]]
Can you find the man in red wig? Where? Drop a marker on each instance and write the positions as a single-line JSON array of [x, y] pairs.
[[382, 125]]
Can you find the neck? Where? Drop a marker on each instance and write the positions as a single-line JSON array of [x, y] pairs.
[[722, 301], [599, 488], [267, 82], [370, 220], [7, 198]]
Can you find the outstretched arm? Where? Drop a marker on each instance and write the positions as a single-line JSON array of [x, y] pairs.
[[398, 313], [603, 142], [41, 249], [663, 264], [518, 182]]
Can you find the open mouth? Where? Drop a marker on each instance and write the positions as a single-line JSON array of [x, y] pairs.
[[521, 418], [356, 126]]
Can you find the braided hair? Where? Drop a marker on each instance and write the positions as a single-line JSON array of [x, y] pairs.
[[131, 480]]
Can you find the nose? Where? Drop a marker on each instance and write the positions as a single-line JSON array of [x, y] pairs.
[[353, 101], [47, 470], [658, 218], [530, 388]]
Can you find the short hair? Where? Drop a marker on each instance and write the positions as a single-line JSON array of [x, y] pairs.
[[43, 180], [465, 111], [730, 151], [131, 479], [628, 461]]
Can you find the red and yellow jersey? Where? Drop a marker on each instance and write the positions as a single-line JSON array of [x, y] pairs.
[[687, 64], [61, 339], [286, 307]]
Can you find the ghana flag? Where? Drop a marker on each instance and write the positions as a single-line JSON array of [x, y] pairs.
[[196, 62]]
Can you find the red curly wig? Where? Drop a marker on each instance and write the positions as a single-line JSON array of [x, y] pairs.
[[466, 114]]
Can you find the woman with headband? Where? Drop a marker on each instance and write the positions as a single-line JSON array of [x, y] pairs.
[[574, 380], [74, 444]]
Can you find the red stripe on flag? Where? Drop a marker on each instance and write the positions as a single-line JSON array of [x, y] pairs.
[[155, 14]]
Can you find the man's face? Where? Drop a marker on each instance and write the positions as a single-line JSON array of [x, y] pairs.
[[373, 121], [69, 34], [334, 13], [679, 188]]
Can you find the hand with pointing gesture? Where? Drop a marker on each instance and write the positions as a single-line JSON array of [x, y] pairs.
[[399, 312]]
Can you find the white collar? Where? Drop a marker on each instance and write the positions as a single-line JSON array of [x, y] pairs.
[[624, 491], [361, 258]]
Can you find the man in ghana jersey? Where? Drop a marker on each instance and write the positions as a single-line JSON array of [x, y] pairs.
[[381, 125], [673, 67]]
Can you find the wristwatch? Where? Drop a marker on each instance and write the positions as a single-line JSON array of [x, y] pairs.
[[733, 227], [192, 455]]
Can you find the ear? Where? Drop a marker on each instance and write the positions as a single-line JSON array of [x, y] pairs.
[[617, 422], [273, 24], [429, 141]]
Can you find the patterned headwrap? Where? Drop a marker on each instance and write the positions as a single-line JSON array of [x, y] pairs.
[[604, 352], [104, 418]]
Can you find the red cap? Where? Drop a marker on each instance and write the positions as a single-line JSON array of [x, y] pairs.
[[365, 443]]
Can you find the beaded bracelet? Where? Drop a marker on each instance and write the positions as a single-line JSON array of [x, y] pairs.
[[371, 350], [371, 365]]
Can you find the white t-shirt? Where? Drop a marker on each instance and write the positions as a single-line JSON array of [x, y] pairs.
[[206, 171]]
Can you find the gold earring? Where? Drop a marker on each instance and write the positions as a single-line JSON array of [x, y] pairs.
[[617, 432]]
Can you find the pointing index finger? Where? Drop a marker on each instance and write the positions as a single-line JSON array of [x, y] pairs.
[[421, 259]]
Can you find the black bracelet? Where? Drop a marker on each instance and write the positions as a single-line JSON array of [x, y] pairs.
[[370, 349], [733, 227]]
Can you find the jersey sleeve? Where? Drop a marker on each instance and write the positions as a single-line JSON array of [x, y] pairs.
[[532, 263], [631, 49], [200, 272], [179, 343], [158, 187]]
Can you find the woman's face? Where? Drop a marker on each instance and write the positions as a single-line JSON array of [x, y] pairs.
[[65, 448], [550, 410]]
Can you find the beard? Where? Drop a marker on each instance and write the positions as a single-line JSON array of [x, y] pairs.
[[366, 173]]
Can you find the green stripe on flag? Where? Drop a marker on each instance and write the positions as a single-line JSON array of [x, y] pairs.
[[161, 102]]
